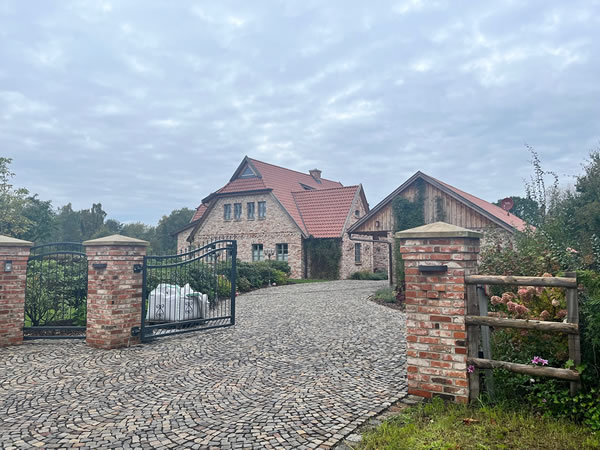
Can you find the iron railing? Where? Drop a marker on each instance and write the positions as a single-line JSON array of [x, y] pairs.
[[56, 291], [190, 291]]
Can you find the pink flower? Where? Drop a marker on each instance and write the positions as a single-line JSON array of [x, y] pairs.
[[547, 275], [555, 303], [571, 250], [562, 314], [522, 310], [538, 360], [512, 306], [522, 292], [507, 297], [471, 369], [544, 315], [496, 300]]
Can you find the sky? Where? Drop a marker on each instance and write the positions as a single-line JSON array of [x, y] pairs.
[[149, 106]]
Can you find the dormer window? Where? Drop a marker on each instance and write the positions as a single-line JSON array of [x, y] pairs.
[[247, 173], [306, 187], [357, 213]]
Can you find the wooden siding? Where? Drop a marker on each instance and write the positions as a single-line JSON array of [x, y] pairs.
[[455, 212]]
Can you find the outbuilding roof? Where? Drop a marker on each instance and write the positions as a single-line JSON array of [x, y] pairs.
[[496, 214]]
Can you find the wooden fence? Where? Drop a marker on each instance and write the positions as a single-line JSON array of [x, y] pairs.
[[478, 323]]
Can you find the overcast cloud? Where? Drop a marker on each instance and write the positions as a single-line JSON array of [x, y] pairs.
[[147, 106]]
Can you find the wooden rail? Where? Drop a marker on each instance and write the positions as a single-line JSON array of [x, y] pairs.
[[478, 326], [497, 322], [564, 282], [562, 374]]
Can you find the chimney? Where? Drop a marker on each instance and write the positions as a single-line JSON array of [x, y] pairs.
[[316, 174]]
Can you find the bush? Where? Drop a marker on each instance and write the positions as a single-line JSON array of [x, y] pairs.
[[387, 295], [366, 275], [243, 285], [258, 274]]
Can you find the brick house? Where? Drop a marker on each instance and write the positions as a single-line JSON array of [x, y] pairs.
[[272, 211], [441, 203]]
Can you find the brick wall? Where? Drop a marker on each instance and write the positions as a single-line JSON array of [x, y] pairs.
[[435, 310], [276, 228], [12, 290], [380, 257], [114, 301], [348, 265]]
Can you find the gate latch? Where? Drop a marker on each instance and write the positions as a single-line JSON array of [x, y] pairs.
[[137, 268]]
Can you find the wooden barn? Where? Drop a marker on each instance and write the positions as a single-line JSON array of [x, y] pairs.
[[440, 203]]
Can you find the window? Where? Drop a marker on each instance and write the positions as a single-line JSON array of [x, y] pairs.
[[227, 211], [282, 252], [257, 252], [251, 206], [247, 173], [357, 213], [237, 211], [357, 253], [262, 210]]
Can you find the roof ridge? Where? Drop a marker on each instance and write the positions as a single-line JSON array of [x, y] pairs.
[[305, 191], [289, 170]]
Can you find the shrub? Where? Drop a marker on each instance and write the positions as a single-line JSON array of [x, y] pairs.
[[387, 295], [243, 285], [258, 274], [366, 275], [282, 266], [279, 277]]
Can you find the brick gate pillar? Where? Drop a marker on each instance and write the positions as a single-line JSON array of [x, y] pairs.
[[14, 254], [114, 299], [436, 259]]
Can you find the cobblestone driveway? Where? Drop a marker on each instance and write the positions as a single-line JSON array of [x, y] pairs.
[[304, 366]]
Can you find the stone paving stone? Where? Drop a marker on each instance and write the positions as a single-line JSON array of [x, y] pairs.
[[304, 366]]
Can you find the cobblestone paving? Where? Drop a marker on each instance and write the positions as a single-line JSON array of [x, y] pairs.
[[303, 367]]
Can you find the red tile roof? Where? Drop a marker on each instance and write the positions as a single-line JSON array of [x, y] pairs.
[[285, 181], [490, 208], [199, 212], [324, 212], [493, 212], [281, 181]]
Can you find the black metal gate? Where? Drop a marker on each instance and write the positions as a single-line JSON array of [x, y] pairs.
[[56, 292], [190, 291]]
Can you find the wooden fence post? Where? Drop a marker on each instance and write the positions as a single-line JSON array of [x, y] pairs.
[[574, 341], [485, 341], [473, 340]]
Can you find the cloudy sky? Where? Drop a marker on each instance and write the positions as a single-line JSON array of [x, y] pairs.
[[147, 106]]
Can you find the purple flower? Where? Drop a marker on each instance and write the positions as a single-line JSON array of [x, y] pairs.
[[538, 360], [471, 369]]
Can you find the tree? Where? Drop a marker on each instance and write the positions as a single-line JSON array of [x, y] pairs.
[[12, 202], [110, 226], [140, 230], [43, 220], [525, 208], [587, 199], [91, 220], [68, 225], [164, 242]]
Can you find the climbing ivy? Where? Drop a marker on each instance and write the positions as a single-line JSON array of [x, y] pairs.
[[407, 214], [323, 258]]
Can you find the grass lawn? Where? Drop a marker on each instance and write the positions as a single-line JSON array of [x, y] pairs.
[[440, 425]]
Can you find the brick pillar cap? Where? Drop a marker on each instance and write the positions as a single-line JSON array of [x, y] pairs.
[[437, 230], [6, 241], [117, 239]]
